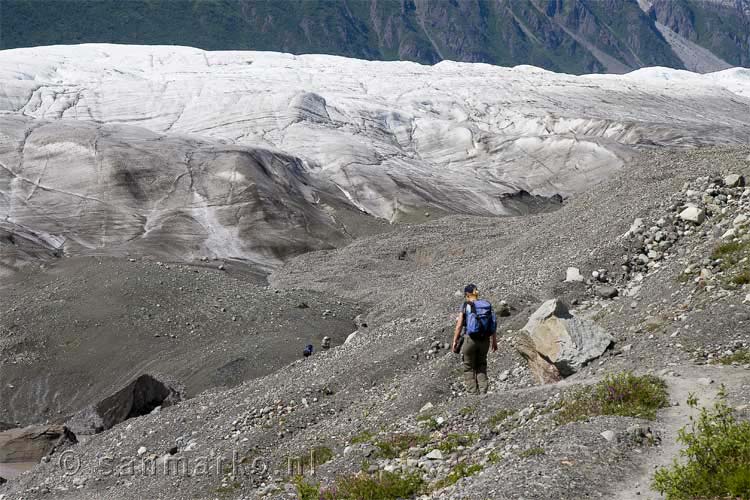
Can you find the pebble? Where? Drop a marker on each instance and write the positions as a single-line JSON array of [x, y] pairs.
[[608, 435], [426, 407]]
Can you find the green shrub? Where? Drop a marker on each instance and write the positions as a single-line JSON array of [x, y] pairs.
[[381, 486], [715, 461], [305, 490], [394, 445], [456, 473], [622, 394], [494, 457], [532, 452], [453, 441]]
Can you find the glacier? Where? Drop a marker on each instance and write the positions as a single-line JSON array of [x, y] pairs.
[[180, 152]]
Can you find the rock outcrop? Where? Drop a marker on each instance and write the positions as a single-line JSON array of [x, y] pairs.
[[557, 344], [22, 448], [140, 397]]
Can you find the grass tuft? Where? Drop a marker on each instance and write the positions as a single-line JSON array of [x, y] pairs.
[[740, 356], [382, 486], [621, 394], [459, 471], [532, 452], [394, 445], [499, 417], [452, 441], [362, 437]]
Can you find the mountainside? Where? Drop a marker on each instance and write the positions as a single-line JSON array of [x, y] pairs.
[[572, 36], [723, 27]]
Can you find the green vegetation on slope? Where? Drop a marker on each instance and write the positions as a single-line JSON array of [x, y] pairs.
[[715, 461], [622, 394]]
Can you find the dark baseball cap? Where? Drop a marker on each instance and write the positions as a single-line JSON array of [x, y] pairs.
[[470, 288]]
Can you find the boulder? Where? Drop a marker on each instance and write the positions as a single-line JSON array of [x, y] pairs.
[[734, 180], [139, 397], [693, 214], [434, 455], [21, 449], [740, 220], [607, 292], [573, 275], [503, 309], [557, 344]]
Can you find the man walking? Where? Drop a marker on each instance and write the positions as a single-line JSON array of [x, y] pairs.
[[479, 325]]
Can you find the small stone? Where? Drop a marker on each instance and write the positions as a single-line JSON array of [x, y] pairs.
[[705, 381], [608, 435], [607, 292], [573, 275], [434, 455], [142, 450], [426, 407], [636, 227], [504, 376], [740, 220], [693, 214]]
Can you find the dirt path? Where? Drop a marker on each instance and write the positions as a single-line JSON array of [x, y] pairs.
[[670, 420]]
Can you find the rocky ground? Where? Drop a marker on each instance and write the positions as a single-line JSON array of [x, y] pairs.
[[390, 399], [76, 333]]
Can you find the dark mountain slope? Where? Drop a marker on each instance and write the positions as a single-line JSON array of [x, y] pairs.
[[575, 36], [723, 27]]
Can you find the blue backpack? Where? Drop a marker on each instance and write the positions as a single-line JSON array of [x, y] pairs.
[[481, 321]]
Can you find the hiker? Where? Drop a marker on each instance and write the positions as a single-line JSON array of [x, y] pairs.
[[479, 325], [308, 350]]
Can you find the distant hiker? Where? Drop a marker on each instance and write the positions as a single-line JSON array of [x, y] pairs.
[[326, 344], [308, 350], [479, 325]]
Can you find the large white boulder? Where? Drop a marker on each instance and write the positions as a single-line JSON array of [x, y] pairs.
[[558, 344]]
